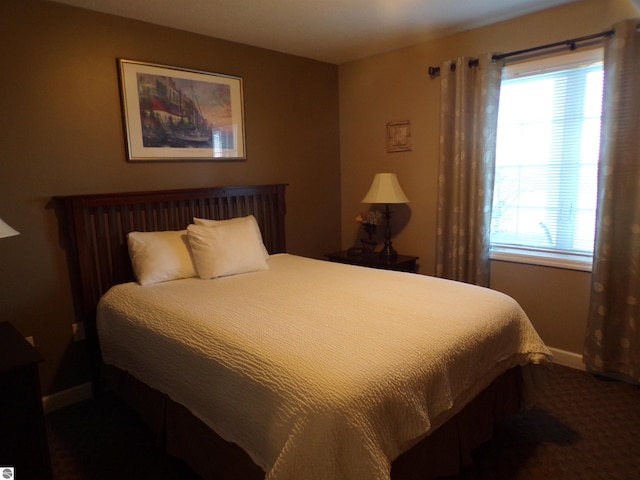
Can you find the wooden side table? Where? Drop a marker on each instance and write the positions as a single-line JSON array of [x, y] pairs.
[[23, 434], [403, 263]]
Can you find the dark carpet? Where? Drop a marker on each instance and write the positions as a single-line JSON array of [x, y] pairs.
[[584, 428]]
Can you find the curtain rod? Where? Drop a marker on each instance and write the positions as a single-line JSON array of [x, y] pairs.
[[571, 43]]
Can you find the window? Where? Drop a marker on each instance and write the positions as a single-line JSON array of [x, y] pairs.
[[544, 199]]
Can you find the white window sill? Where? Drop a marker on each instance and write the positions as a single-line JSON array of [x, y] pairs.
[[583, 263]]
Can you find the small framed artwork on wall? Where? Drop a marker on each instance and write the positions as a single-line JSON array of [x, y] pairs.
[[399, 136], [172, 113]]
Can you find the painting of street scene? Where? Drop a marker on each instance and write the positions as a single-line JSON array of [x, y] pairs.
[[181, 114], [184, 113]]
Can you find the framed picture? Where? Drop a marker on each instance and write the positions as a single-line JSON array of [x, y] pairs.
[[172, 113], [399, 137]]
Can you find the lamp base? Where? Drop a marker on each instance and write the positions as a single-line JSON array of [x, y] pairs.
[[388, 251]]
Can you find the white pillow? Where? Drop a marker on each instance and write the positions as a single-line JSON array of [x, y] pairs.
[[160, 256], [250, 219], [226, 249]]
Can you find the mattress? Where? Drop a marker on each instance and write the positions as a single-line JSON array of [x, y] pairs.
[[317, 370]]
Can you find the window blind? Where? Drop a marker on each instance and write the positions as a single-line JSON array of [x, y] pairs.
[[547, 156]]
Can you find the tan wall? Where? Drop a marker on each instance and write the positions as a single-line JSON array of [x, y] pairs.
[[396, 86], [61, 133]]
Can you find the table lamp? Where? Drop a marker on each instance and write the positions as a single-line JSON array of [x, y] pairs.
[[386, 189], [6, 230]]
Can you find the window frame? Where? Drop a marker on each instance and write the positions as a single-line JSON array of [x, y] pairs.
[[535, 255]]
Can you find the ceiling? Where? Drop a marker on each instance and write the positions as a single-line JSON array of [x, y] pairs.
[[333, 31]]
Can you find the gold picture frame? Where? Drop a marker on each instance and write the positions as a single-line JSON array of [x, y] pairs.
[[399, 136], [176, 114]]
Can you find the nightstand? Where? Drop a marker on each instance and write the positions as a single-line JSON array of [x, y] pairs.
[[403, 263], [23, 434]]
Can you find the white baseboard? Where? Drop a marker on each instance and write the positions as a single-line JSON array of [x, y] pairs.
[[67, 397], [567, 359]]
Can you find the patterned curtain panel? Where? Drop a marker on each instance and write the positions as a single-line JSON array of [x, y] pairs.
[[613, 334], [468, 123]]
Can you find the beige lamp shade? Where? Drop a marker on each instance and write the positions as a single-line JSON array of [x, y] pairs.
[[385, 189], [6, 230]]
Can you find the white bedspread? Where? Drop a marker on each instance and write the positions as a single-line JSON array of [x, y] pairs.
[[318, 370]]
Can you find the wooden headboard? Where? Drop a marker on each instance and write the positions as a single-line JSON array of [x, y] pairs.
[[98, 225]]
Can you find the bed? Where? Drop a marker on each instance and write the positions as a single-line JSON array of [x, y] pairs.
[[282, 367]]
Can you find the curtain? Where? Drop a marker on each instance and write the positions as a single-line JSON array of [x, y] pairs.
[[612, 344], [468, 125]]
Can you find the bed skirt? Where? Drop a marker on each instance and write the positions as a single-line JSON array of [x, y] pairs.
[[442, 453]]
